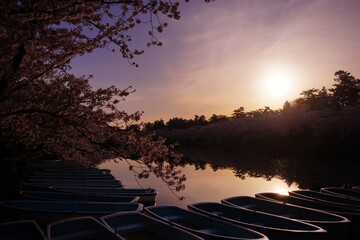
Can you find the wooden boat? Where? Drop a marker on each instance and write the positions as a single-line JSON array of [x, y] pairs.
[[350, 214], [70, 177], [135, 225], [341, 192], [51, 167], [73, 197], [275, 227], [78, 183], [74, 170], [327, 198], [66, 173], [337, 226], [80, 228], [285, 199], [49, 187], [145, 195], [59, 166], [21, 230], [202, 225], [48, 211], [54, 164]]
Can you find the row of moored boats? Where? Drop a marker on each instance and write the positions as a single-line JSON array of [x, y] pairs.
[[66, 201]]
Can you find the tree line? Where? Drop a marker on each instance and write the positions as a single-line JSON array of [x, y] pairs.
[[345, 93]]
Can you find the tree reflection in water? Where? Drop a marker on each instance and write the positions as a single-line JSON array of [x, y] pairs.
[[306, 171]]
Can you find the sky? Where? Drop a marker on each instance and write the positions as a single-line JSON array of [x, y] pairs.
[[234, 53]]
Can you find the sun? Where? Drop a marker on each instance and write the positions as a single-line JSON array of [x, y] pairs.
[[277, 85]]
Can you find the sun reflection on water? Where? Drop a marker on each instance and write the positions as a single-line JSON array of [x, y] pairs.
[[202, 185], [281, 191]]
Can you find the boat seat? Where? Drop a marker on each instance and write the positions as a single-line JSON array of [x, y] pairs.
[[86, 234], [249, 206], [173, 218], [258, 223], [208, 230], [218, 213], [129, 227], [20, 237]]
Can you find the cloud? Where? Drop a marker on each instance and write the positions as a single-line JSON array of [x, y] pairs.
[[216, 55]]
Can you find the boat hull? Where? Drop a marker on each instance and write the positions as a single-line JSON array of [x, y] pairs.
[[44, 212], [202, 225], [21, 230], [338, 227], [47, 186], [70, 177], [70, 174], [146, 196], [350, 204], [348, 213], [129, 224], [341, 192], [72, 197], [354, 217], [275, 227], [76, 170], [80, 228]]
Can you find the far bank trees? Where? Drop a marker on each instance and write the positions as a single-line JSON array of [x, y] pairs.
[[320, 121]]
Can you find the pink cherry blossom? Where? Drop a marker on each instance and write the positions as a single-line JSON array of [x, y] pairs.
[[45, 111]]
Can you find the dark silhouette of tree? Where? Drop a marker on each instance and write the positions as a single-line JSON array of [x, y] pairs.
[[159, 124], [178, 123], [134, 127], [238, 113], [148, 126], [286, 106], [200, 120], [262, 112], [217, 118], [314, 99], [46, 110], [346, 91]]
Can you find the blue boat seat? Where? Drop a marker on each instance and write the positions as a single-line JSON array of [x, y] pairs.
[[86, 234], [173, 218], [218, 213], [249, 206], [258, 223], [129, 227], [208, 230]]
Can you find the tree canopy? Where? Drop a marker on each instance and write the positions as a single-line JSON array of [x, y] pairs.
[[45, 110], [346, 91]]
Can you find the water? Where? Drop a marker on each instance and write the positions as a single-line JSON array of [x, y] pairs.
[[213, 175], [207, 182]]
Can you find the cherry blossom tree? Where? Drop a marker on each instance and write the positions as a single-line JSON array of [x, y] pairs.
[[46, 110]]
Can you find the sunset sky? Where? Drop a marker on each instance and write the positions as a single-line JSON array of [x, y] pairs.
[[232, 53]]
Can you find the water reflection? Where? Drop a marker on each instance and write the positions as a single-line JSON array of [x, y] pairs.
[[310, 172], [213, 175], [205, 182]]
